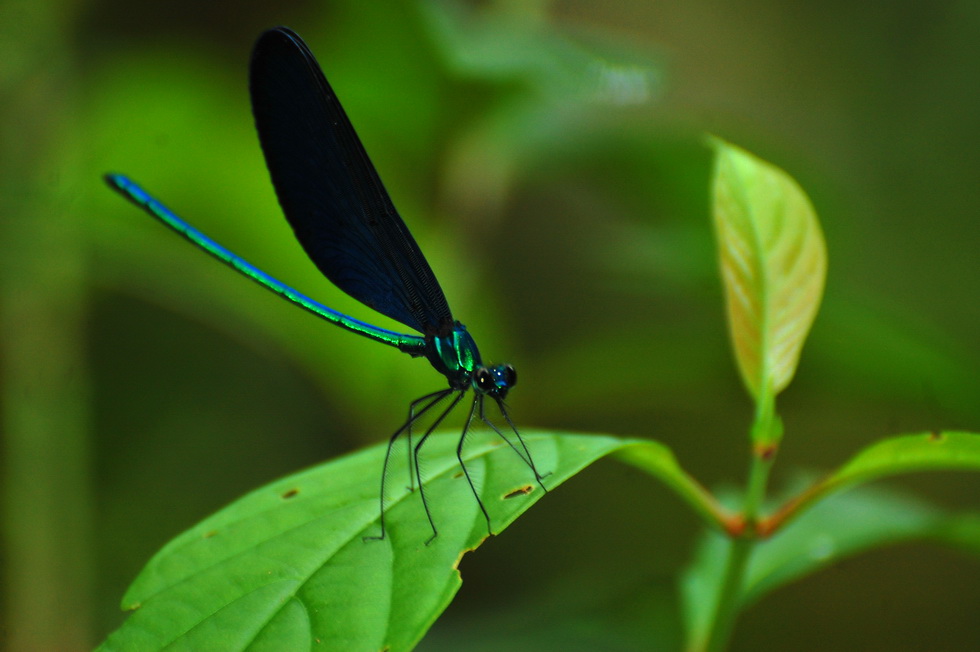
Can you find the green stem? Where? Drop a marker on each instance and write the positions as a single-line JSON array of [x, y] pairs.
[[727, 609], [739, 553], [766, 432], [657, 460]]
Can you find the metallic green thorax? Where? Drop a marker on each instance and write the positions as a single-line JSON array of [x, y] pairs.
[[454, 355]]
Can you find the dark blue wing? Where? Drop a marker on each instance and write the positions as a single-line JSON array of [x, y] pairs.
[[330, 191]]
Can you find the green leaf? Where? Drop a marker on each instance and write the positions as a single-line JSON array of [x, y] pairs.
[[773, 263], [932, 451], [846, 525], [286, 566], [907, 453], [841, 526]]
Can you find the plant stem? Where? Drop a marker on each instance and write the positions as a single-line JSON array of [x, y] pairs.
[[727, 608], [657, 460], [739, 553], [766, 432]]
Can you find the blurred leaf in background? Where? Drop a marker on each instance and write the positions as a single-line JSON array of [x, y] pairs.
[[547, 158]]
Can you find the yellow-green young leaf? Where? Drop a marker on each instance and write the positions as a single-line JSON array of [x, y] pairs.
[[773, 263]]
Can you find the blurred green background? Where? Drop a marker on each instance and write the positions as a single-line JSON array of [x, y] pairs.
[[547, 157]]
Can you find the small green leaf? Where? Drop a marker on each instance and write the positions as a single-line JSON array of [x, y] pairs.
[[286, 566], [773, 263], [842, 526], [931, 451], [908, 453]]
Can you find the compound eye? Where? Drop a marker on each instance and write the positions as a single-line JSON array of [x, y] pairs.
[[510, 375], [484, 380]]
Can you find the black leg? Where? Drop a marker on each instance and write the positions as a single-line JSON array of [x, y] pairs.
[[459, 456], [526, 457], [413, 417], [436, 396], [418, 448]]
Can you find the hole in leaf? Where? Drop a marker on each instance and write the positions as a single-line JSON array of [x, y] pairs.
[[520, 491]]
